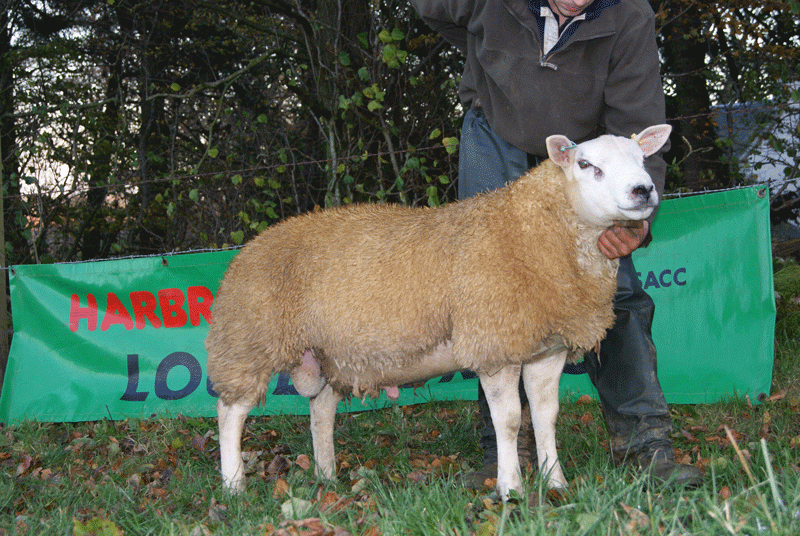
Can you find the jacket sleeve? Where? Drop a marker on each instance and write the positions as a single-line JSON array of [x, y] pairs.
[[448, 17], [634, 94]]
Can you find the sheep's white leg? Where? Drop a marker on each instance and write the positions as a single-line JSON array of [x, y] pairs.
[[323, 414], [231, 419], [502, 396], [541, 379]]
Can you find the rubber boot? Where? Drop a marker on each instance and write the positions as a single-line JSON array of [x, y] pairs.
[[625, 375]]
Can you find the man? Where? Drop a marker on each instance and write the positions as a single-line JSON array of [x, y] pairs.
[[579, 68]]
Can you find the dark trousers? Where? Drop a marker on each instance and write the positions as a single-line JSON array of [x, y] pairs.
[[624, 374]]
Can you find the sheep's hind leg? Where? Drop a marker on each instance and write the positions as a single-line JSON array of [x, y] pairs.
[[502, 396], [231, 419], [541, 379], [323, 415]]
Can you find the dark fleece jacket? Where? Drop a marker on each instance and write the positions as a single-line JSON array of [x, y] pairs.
[[604, 80]]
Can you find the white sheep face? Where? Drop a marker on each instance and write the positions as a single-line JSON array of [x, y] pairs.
[[606, 177]]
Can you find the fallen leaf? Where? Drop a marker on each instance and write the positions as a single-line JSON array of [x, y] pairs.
[[278, 465], [310, 526], [359, 485], [585, 400], [199, 441], [295, 508], [638, 519], [200, 530], [487, 528], [766, 421], [417, 476], [587, 418], [280, 489], [557, 496], [688, 436], [24, 465], [586, 520], [217, 512], [777, 396], [725, 493], [280, 449], [304, 462], [444, 464]]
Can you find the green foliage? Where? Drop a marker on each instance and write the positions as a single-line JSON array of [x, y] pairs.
[[205, 153], [123, 145], [787, 288]]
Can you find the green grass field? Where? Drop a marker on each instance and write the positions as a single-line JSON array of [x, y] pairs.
[[400, 473]]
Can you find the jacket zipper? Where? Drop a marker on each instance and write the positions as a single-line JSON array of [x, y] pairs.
[[543, 58]]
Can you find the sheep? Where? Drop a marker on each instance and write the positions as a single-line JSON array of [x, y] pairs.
[[364, 298]]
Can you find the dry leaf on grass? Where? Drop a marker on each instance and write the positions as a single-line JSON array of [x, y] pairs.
[[304, 462], [280, 489]]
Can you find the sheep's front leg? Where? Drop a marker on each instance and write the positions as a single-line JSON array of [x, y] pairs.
[[231, 419], [502, 396], [323, 414], [541, 379]]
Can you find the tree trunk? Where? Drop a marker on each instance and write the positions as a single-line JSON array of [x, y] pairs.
[[685, 51]]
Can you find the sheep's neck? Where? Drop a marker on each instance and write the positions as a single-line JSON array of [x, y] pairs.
[[589, 255]]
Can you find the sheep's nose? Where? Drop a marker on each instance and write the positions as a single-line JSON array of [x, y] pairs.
[[642, 191]]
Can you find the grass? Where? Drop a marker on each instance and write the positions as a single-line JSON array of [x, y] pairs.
[[400, 473]]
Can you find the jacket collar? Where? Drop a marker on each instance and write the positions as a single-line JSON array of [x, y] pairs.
[[592, 12], [599, 27]]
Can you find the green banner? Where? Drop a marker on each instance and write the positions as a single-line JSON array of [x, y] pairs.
[[709, 272], [124, 338]]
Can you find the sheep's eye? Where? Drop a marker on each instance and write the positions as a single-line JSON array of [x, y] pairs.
[[583, 164]]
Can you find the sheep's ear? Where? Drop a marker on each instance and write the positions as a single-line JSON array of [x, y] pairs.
[[653, 138], [560, 150]]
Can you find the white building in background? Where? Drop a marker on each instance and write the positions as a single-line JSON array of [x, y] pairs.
[[765, 139]]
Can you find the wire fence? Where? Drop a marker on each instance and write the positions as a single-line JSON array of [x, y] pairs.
[[85, 187], [166, 255], [778, 185]]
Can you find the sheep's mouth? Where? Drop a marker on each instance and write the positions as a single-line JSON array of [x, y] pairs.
[[640, 206], [638, 212]]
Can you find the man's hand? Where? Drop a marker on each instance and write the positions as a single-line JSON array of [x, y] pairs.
[[623, 238]]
